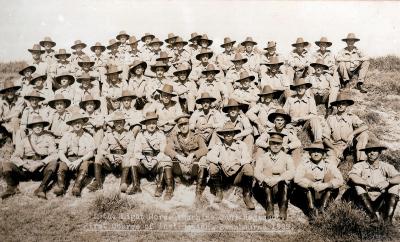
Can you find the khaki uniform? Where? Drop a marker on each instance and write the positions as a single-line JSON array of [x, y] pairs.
[[80, 93], [269, 165], [249, 96], [259, 114], [100, 63], [351, 62], [95, 126], [297, 62], [216, 89], [224, 60], [75, 58], [58, 125], [186, 93], [253, 62], [166, 114], [290, 140], [279, 81], [205, 124], [246, 130], [324, 86], [233, 74], [330, 61], [61, 67], [49, 57], [41, 67], [151, 87], [94, 74], [180, 57], [198, 77], [9, 113], [29, 113]]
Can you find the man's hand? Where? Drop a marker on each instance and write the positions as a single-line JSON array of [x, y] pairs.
[[382, 185], [321, 186], [75, 164], [349, 139]]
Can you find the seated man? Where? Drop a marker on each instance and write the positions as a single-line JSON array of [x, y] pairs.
[[376, 183], [224, 59], [342, 129], [76, 151], [35, 157], [352, 62], [317, 179], [298, 60], [58, 125], [188, 153], [185, 88], [272, 76], [231, 161], [244, 91], [274, 172], [327, 56], [150, 160]]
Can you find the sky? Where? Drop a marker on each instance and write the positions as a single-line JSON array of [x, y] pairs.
[[25, 22]]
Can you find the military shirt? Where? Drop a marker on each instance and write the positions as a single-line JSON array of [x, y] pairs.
[[72, 144], [341, 126], [308, 173], [270, 164]]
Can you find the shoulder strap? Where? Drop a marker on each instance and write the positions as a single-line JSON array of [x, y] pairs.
[[119, 143]]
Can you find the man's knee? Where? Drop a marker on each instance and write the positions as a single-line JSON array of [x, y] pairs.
[[8, 167], [213, 169], [248, 170], [51, 166]]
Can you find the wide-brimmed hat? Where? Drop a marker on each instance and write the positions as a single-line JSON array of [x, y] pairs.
[[59, 97], [210, 68], [37, 76], [228, 40], [182, 119], [205, 96], [27, 67], [122, 33], [163, 55], [194, 36], [77, 116], [33, 94], [156, 40], [37, 119], [168, 89], [147, 35], [182, 68], [239, 57], [209, 53], [228, 127], [87, 99], [248, 40], [319, 62], [98, 45], [85, 59], [116, 116], [179, 40], [71, 78], [84, 76], [351, 36], [276, 137], [36, 48], [316, 146], [343, 98], [281, 113], [270, 44], [113, 42], [245, 75], [62, 52], [170, 37], [78, 43], [267, 90], [126, 93], [373, 144], [137, 63], [300, 41], [47, 40], [113, 69], [159, 64], [233, 103], [132, 40], [300, 82], [274, 60], [9, 85], [205, 37], [149, 116], [323, 40]]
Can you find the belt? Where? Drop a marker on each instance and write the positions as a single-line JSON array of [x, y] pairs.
[[118, 152], [35, 157]]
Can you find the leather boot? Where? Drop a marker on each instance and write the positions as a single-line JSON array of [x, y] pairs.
[[391, 207], [361, 88], [124, 179], [312, 211], [135, 188], [97, 184], [269, 205], [77, 188], [40, 192], [60, 188], [325, 201], [218, 188], [247, 186], [283, 202], [169, 180], [367, 203], [201, 182], [12, 185], [159, 183]]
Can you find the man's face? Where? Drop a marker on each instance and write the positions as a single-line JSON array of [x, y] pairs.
[[122, 39], [64, 81], [350, 42], [279, 122], [86, 66], [210, 76], [113, 77], [266, 99], [373, 155], [182, 77], [195, 42], [248, 47], [300, 48], [204, 58], [205, 104], [228, 137], [97, 50], [274, 68], [9, 94], [318, 69], [165, 98], [78, 49], [115, 103], [126, 101], [37, 128], [34, 102], [134, 46], [271, 51], [85, 83], [60, 106], [323, 46], [179, 46], [155, 46], [114, 49], [36, 55], [119, 125], [160, 71], [228, 47], [47, 46], [39, 82], [238, 64], [89, 107], [27, 73], [77, 125], [342, 107], [301, 90], [275, 146], [183, 128], [245, 83], [151, 125], [316, 155], [204, 43], [233, 112], [147, 40], [139, 70], [62, 58]]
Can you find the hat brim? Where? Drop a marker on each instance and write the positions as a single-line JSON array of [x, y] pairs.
[[267, 48], [208, 40], [81, 44], [348, 101], [45, 124], [241, 106], [325, 67], [169, 93], [248, 41], [326, 42], [273, 116], [305, 43], [222, 132], [293, 87], [67, 102], [32, 82], [244, 60], [80, 63], [153, 68], [182, 42], [208, 71], [168, 40], [70, 78], [231, 42], [29, 97], [116, 43], [35, 51], [143, 64], [273, 64], [71, 121], [57, 56], [379, 148], [43, 42], [252, 78], [114, 72], [148, 35], [276, 140], [156, 42], [103, 48], [274, 92], [309, 149], [187, 71], [210, 54], [355, 39], [14, 88], [130, 96], [163, 58], [96, 104], [118, 37], [180, 117], [32, 68], [79, 80], [197, 37], [212, 99], [144, 121]]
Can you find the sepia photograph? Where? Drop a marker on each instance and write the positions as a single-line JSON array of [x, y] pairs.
[[174, 120]]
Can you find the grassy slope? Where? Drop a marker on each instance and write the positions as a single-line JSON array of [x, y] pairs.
[[68, 218]]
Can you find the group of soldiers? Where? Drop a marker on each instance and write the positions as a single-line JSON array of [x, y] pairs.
[[177, 111]]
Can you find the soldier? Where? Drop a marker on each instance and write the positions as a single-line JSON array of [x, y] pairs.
[[37, 61], [58, 121], [194, 47], [270, 52], [138, 81], [112, 153], [230, 160], [133, 54], [166, 59], [112, 89], [100, 60], [26, 75], [38, 84], [36, 157], [85, 65], [170, 40], [78, 55], [324, 87], [343, 128], [317, 179], [48, 44], [233, 73], [376, 183], [353, 62], [328, 57], [33, 109], [122, 37], [245, 92], [180, 55], [146, 49], [254, 59], [95, 123], [61, 65], [298, 60], [65, 81], [203, 62], [151, 87], [155, 46], [132, 115], [114, 57], [188, 153], [149, 158], [76, 151], [185, 88], [214, 86], [224, 60], [273, 76], [86, 87], [274, 172]]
